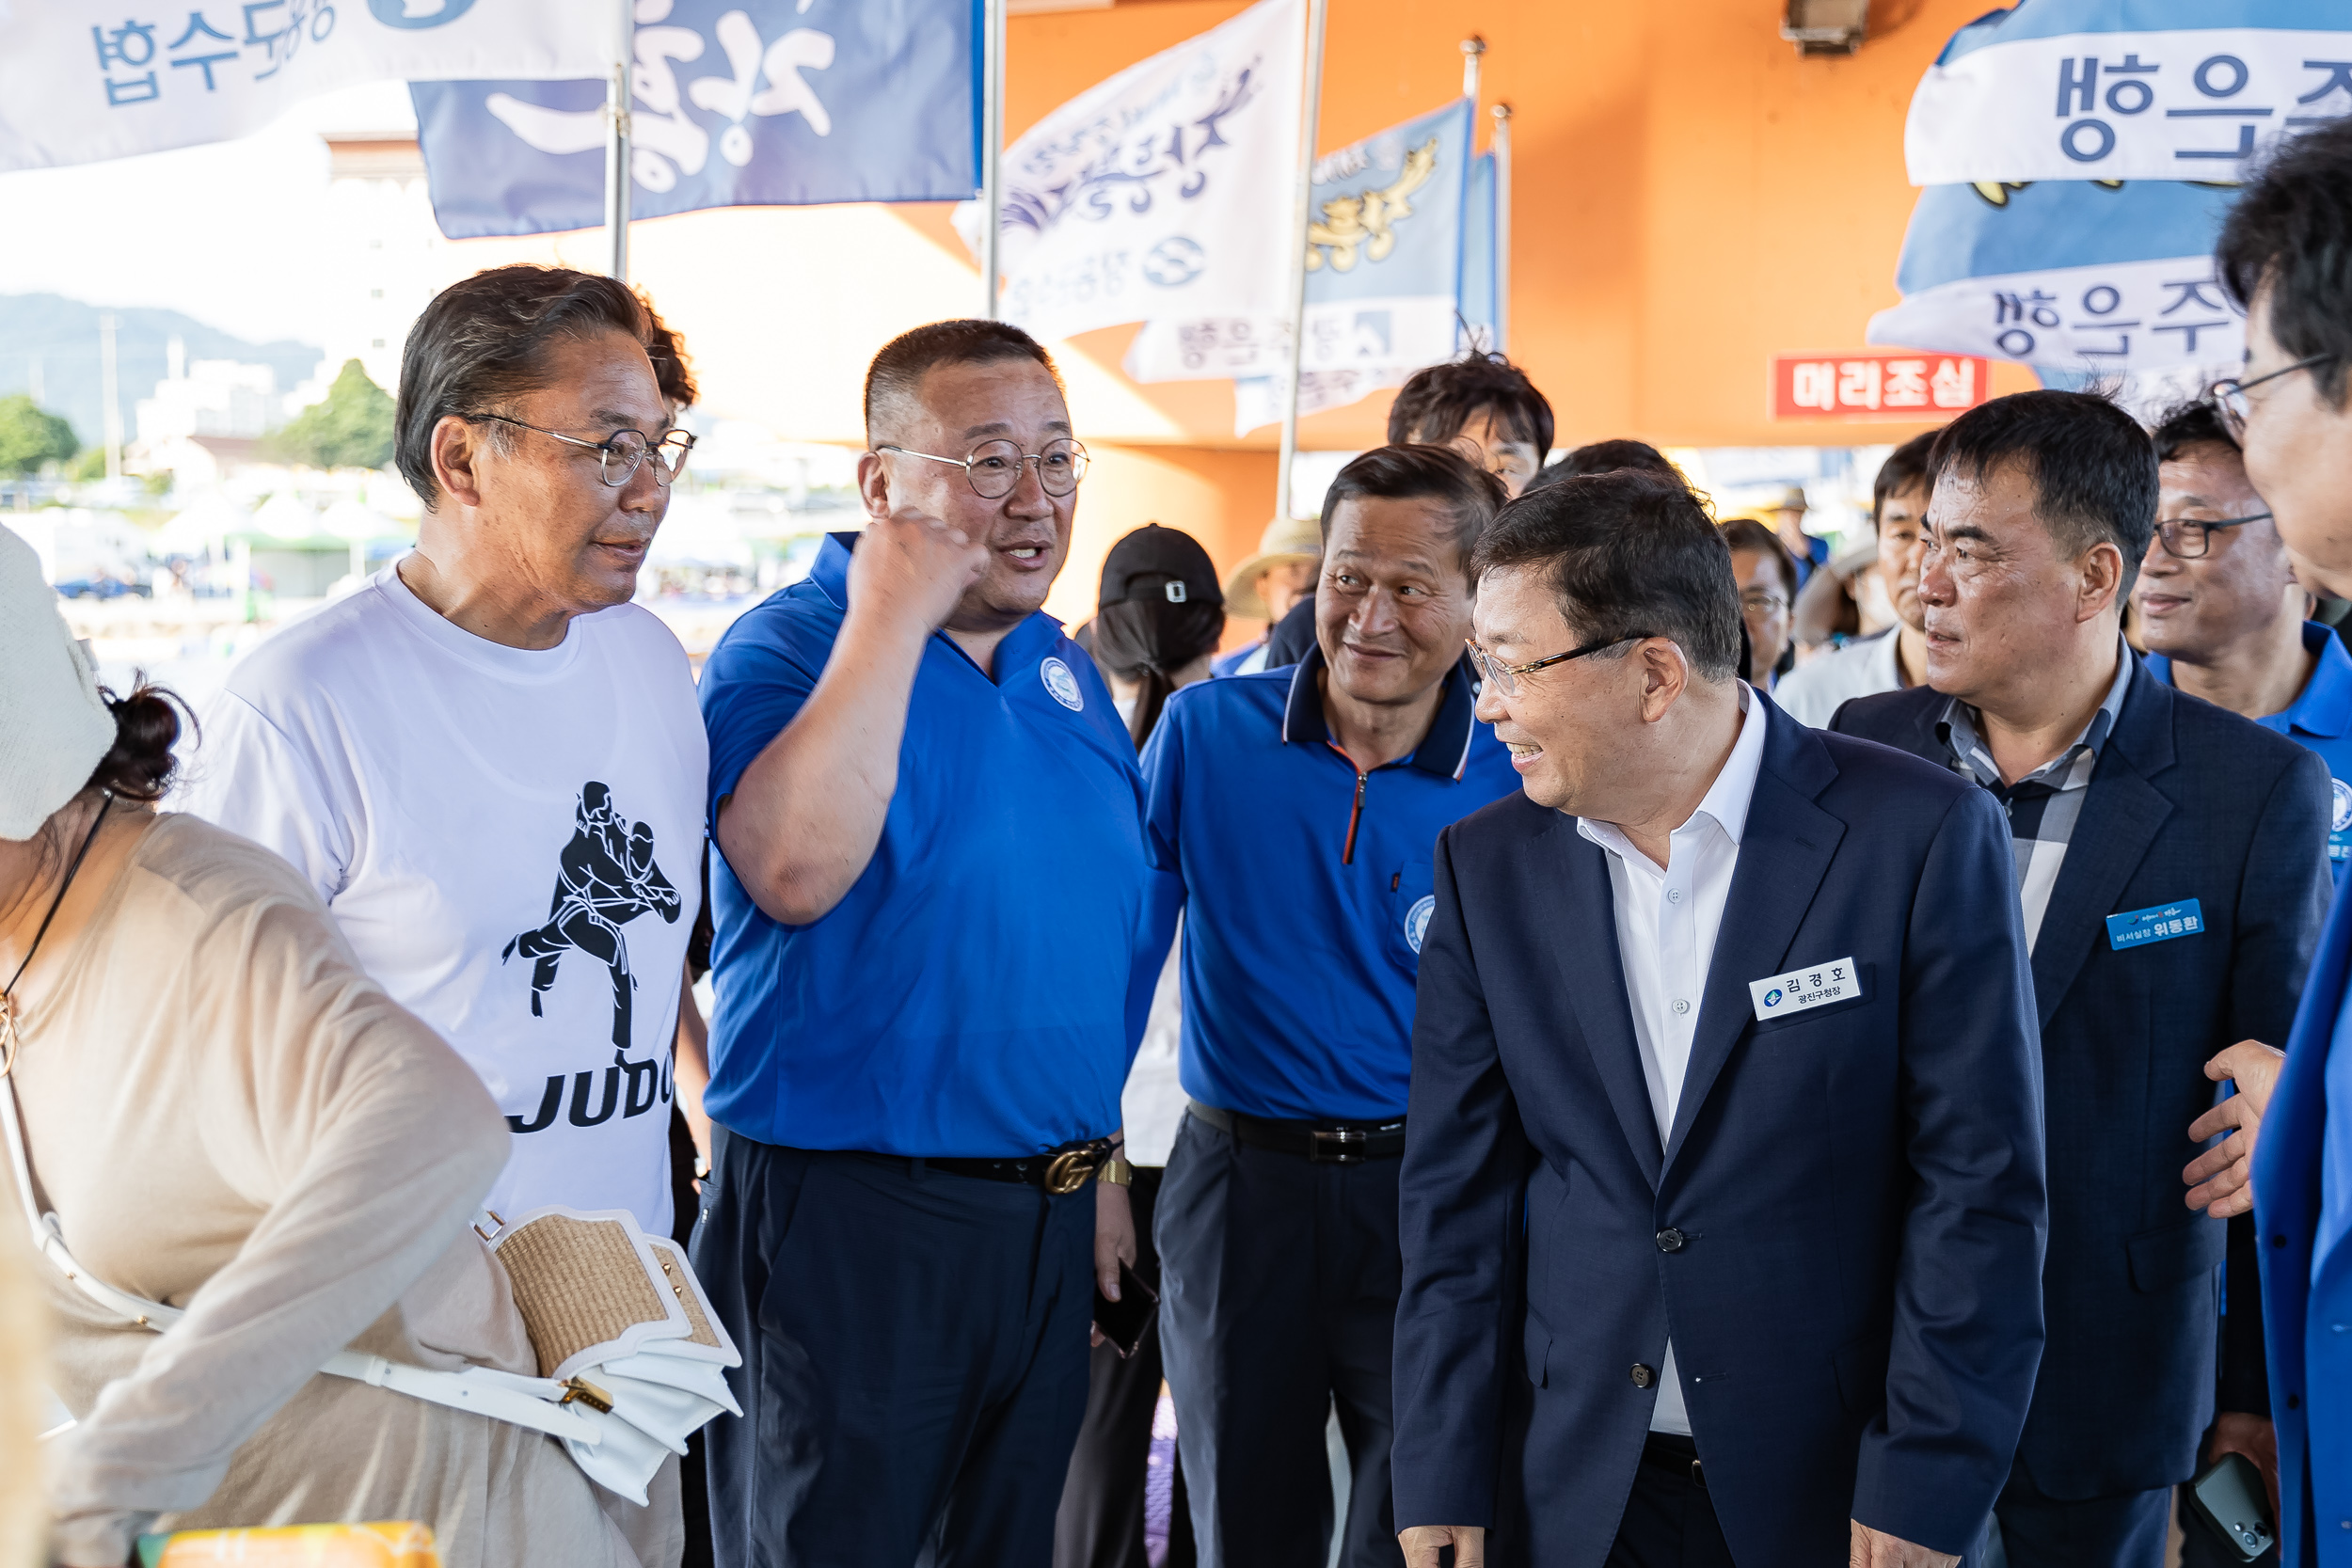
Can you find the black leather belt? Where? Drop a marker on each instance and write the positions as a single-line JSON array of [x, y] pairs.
[[1322, 1143], [1059, 1171]]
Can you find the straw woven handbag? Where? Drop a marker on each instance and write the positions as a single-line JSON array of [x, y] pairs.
[[631, 1357]]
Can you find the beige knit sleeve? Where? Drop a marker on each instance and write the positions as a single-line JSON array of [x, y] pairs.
[[364, 1140]]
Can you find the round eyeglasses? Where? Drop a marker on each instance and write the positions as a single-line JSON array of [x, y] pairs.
[[993, 468], [2190, 538], [619, 455]]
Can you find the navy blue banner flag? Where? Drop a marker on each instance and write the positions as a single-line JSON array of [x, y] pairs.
[[735, 104]]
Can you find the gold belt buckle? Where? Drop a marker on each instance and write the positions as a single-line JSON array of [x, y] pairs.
[[1068, 1171]]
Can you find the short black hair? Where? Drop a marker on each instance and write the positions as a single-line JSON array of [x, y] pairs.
[[1435, 404], [1905, 468], [2194, 424], [1410, 471], [1626, 552], [898, 370], [1746, 533], [2291, 231], [1601, 457], [2093, 469], [484, 340]]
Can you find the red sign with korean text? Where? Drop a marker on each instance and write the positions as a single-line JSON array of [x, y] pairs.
[[1877, 383]]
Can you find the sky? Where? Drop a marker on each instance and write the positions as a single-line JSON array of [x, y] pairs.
[[226, 233]]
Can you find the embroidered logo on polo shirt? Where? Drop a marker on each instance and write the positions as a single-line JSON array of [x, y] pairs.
[[1063, 684], [1417, 920], [2344, 805]]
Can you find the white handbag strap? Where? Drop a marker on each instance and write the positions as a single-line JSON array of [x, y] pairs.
[[537, 1402]]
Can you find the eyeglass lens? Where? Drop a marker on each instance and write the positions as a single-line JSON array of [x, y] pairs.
[[2184, 539], [629, 448], [994, 468]]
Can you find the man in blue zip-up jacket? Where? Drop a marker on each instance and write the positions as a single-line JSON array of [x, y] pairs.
[[1277, 1217]]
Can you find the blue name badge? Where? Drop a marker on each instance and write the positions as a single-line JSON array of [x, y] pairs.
[[2160, 923]]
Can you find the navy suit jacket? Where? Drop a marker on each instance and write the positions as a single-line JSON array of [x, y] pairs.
[[2187, 801], [1853, 1299]]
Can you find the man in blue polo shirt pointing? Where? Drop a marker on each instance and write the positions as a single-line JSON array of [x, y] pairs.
[[1277, 1217], [929, 897]]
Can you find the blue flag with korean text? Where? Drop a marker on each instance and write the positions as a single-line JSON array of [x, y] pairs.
[[2066, 276], [2127, 89], [735, 102]]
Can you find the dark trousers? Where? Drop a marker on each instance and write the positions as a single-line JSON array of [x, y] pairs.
[[1101, 1523], [1669, 1521], [1281, 1280], [914, 1359], [2041, 1531]]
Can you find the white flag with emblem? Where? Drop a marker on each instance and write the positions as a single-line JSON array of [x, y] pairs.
[[1164, 191]]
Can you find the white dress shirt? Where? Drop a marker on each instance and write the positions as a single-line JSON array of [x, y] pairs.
[[1667, 918]]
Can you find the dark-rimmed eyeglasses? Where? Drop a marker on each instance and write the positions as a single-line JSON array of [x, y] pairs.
[[619, 455], [2189, 538], [1505, 677], [2230, 400], [993, 468]]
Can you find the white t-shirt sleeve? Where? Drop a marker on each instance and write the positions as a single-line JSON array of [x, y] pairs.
[[253, 778]]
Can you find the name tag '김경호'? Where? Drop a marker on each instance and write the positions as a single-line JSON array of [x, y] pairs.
[[1815, 986], [2158, 923]]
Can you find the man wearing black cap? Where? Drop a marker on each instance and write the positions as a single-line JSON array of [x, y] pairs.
[[1157, 619], [1278, 1220]]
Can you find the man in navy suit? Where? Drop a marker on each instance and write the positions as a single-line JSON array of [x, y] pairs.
[[1722, 1202], [2171, 864]]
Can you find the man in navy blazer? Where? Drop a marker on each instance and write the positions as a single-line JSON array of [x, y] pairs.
[[2171, 864], [1722, 1197]]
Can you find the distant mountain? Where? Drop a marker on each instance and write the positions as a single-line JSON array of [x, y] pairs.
[[62, 336]]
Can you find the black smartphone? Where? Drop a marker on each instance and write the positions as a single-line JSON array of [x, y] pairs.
[[2230, 1496], [1123, 1322]]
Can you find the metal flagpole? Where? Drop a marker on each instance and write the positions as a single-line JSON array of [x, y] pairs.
[[1301, 205], [616, 174], [1472, 47], [1503, 226], [992, 154]]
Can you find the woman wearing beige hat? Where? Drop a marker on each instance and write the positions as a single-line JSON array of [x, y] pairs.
[[219, 1112]]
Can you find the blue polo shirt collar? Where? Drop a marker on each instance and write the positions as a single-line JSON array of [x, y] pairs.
[[1444, 751], [1022, 647], [2325, 708]]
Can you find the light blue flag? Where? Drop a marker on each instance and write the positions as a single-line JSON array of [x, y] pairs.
[[735, 102], [1481, 278], [2066, 276]]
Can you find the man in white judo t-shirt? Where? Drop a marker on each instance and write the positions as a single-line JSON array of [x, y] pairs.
[[488, 760]]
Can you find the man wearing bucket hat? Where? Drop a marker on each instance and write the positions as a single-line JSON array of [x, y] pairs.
[[1786, 512], [1267, 586]]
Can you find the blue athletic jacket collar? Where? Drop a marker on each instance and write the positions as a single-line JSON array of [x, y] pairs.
[[1444, 751], [1022, 646]]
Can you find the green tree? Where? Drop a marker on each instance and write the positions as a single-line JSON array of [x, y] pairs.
[[31, 437], [352, 428]]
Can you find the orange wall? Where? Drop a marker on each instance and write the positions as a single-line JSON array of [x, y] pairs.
[[1691, 195]]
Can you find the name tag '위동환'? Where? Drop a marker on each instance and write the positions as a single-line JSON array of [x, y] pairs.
[[2157, 923], [1813, 985]]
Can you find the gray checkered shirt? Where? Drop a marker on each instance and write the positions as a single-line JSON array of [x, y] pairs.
[[2044, 805]]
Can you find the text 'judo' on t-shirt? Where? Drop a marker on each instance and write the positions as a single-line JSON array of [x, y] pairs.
[[977, 992]]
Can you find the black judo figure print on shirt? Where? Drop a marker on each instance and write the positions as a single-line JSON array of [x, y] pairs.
[[605, 877]]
